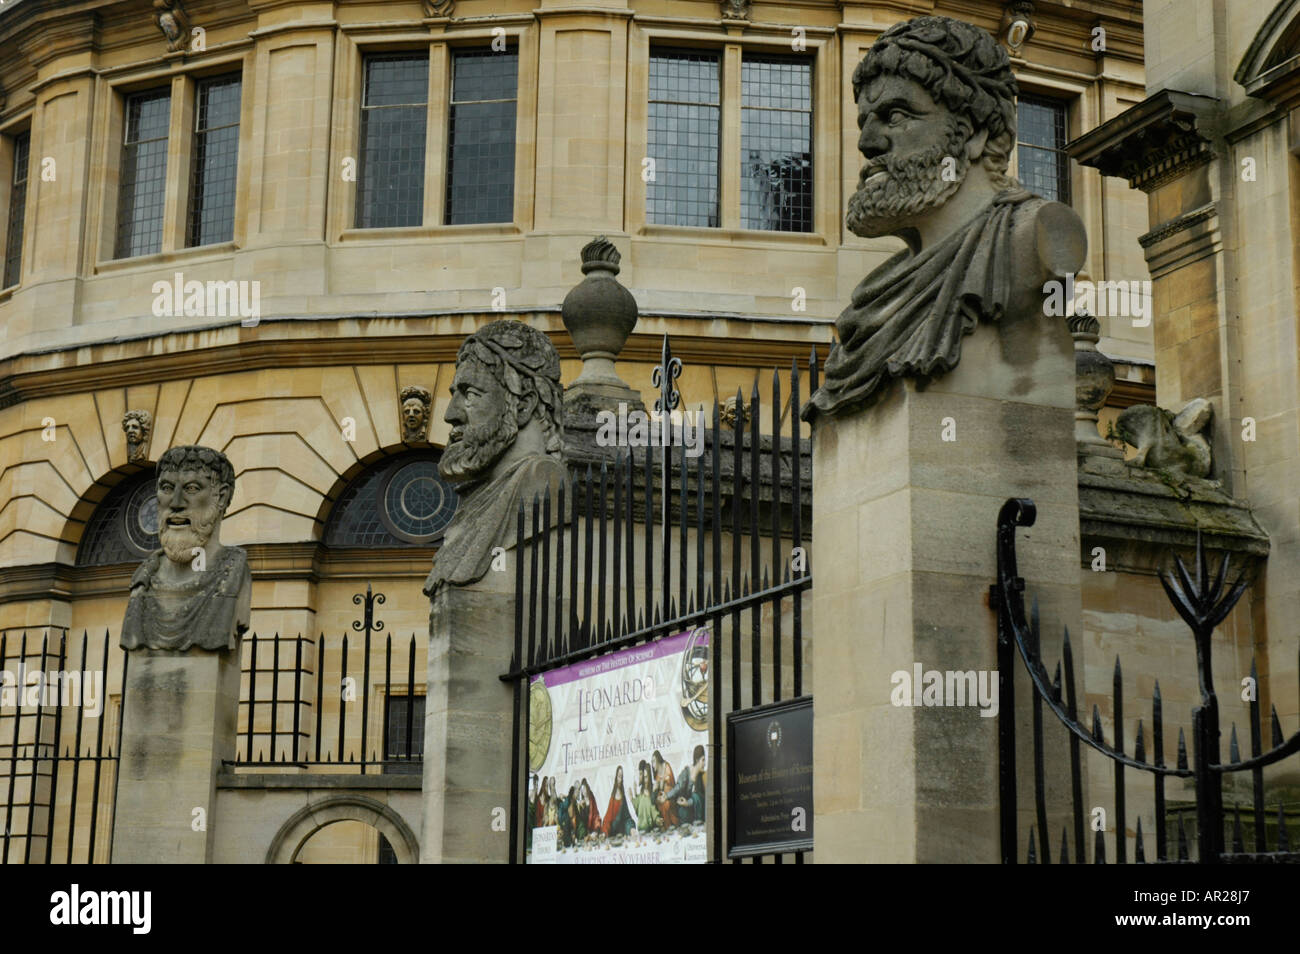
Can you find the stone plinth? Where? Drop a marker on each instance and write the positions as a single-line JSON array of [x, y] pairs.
[[905, 524], [467, 722], [178, 725]]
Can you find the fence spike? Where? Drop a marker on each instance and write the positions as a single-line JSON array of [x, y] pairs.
[[1065, 848], [1278, 738], [1182, 750], [1140, 750], [1031, 858], [1234, 753], [1056, 684], [1096, 725], [1182, 836], [1099, 849]]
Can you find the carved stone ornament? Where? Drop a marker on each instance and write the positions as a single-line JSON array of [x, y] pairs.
[[1175, 444], [416, 409], [507, 434], [439, 8], [138, 426], [174, 23], [193, 593], [976, 239], [735, 9]]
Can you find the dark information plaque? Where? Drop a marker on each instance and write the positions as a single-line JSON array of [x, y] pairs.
[[770, 778]]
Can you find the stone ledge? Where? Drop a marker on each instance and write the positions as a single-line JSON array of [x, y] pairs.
[[284, 780]]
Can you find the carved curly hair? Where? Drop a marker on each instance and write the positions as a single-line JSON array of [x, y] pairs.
[[195, 457], [524, 361]]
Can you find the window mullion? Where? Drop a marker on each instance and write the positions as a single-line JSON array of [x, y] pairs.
[[729, 174], [180, 145], [435, 150]]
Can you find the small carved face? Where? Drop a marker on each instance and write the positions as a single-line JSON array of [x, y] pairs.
[[134, 430], [190, 505], [916, 152], [413, 414], [483, 423]]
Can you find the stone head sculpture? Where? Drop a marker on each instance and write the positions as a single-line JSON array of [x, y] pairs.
[[195, 485], [416, 403], [194, 592], [936, 105], [937, 109], [505, 402], [505, 445], [138, 426]]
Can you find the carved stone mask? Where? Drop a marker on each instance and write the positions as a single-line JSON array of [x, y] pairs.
[[413, 415], [482, 414], [906, 138], [190, 505]]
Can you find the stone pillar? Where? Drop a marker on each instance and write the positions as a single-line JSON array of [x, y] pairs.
[[467, 722], [904, 523], [178, 724]]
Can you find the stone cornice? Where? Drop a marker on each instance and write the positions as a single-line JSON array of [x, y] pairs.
[[1161, 138]]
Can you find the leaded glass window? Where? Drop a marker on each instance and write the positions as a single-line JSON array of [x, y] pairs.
[[1041, 163], [394, 115], [683, 138], [124, 527], [398, 502], [216, 155], [399, 711], [144, 174], [17, 210], [481, 154], [776, 144]]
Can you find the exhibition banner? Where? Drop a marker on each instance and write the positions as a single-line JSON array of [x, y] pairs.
[[617, 757]]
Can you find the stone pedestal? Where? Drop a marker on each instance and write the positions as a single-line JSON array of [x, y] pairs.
[[178, 724], [467, 723], [905, 529]]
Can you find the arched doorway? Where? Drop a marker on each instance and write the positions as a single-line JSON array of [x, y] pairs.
[[288, 844]]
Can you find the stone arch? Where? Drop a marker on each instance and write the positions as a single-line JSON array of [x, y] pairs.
[[1271, 63], [311, 818]]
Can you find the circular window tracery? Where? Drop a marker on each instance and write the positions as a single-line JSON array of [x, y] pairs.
[[397, 502]]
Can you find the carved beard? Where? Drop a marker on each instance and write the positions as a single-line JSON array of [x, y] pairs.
[[179, 542], [480, 446], [911, 185]]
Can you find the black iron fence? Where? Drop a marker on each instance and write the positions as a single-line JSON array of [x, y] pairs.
[[1203, 600], [59, 749], [652, 544], [309, 703]]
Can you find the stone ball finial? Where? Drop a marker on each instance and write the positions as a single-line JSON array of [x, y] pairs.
[[599, 313]]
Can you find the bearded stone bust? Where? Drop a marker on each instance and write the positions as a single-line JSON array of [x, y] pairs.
[[505, 444], [194, 592], [937, 109]]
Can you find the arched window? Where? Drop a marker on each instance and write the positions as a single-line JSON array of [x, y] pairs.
[[398, 502], [124, 527]]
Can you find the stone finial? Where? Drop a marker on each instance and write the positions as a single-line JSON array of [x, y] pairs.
[[1094, 380], [416, 405], [138, 425], [599, 314], [194, 592], [1175, 444], [735, 9], [174, 23]]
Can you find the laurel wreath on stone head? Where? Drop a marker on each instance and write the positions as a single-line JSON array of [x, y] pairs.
[[193, 457], [522, 357]]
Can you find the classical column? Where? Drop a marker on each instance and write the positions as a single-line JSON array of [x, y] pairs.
[[950, 390], [188, 608]]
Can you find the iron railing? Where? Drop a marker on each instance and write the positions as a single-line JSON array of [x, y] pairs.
[[1202, 603], [729, 495]]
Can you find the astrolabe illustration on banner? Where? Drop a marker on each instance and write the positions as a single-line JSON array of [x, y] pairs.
[[539, 724], [695, 680]]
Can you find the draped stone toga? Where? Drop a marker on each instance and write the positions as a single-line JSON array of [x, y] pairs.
[[205, 615], [907, 318]]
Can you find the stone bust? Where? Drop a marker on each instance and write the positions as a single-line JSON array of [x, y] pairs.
[[937, 109], [507, 434], [416, 403], [194, 592], [138, 425]]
